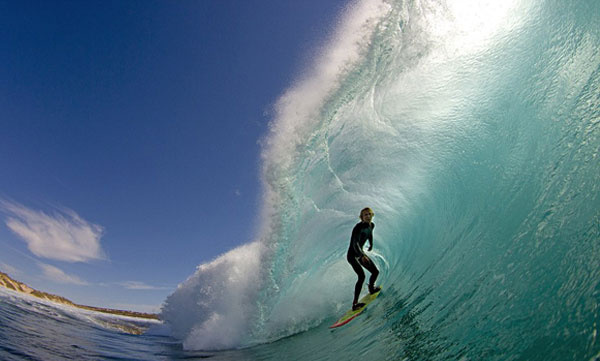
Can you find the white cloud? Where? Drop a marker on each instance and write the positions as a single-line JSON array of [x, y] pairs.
[[62, 236], [135, 285], [57, 275]]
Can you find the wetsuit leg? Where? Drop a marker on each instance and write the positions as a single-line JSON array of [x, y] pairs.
[[370, 266], [361, 277]]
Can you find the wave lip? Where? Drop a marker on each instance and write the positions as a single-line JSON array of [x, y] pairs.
[[237, 299]]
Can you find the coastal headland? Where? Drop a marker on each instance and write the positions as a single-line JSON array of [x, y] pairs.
[[7, 282]]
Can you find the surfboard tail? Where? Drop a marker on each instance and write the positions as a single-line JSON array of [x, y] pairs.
[[343, 322]]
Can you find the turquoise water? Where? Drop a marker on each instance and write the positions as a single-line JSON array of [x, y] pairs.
[[472, 130]]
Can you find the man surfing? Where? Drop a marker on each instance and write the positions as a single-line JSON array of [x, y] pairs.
[[362, 232]]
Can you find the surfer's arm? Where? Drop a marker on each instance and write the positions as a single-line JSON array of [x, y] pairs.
[[371, 237], [354, 242]]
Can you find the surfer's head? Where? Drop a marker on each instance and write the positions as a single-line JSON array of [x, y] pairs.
[[366, 214]]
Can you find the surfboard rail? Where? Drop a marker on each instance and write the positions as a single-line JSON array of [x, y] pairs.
[[351, 314]]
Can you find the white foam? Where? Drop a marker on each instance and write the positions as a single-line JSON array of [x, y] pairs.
[[297, 109], [211, 309]]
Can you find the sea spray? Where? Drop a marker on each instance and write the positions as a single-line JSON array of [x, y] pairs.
[[210, 310]]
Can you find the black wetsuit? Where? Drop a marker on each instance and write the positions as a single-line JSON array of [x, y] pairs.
[[360, 234]]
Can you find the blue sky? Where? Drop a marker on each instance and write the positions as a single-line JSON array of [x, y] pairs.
[[129, 136]]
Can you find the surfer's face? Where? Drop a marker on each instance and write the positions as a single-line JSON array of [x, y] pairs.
[[366, 216]]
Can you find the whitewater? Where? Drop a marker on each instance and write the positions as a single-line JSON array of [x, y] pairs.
[[471, 128]]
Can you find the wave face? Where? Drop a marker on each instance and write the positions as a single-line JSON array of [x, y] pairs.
[[472, 130]]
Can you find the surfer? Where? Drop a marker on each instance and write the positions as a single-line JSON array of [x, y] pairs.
[[362, 232]]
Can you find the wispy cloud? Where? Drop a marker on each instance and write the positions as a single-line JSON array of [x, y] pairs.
[[10, 270], [57, 275], [136, 307], [62, 236], [135, 285]]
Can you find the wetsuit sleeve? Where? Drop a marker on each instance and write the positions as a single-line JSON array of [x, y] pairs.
[[371, 236], [355, 242]]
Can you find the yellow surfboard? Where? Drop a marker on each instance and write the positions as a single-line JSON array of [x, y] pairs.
[[351, 314]]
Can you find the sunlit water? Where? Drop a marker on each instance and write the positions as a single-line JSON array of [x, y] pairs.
[[472, 129]]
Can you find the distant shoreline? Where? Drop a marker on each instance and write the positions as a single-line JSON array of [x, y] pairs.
[[11, 284]]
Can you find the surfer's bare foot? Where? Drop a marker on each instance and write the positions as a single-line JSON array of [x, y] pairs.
[[356, 306], [374, 289]]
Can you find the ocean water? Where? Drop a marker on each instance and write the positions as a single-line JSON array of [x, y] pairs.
[[472, 128]]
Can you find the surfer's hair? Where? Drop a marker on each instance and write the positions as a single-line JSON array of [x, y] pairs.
[[367, 209]]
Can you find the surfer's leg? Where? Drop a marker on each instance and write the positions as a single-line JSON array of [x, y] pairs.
[[370, 266], [358, 286], [361, 277]]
